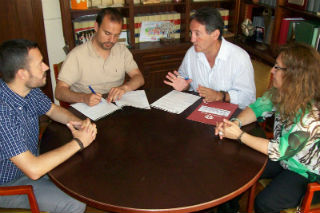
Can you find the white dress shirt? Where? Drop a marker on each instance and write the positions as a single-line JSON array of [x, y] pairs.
[[232, 72]]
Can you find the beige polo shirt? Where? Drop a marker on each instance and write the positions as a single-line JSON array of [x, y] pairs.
[[83, 67]]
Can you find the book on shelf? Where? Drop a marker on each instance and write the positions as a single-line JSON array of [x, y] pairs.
[[285, 30], [315, 37], [225, 17], [213, 112], [305, 30], [79, 4], [317, 46], [269, 30]]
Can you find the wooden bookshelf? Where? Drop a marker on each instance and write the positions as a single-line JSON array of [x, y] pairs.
[[280, 11], [154, 58]]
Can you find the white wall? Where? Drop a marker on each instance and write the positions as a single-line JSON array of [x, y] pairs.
[[54, 35]]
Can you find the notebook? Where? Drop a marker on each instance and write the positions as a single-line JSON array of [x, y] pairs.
[[97, 111], [136, 99]]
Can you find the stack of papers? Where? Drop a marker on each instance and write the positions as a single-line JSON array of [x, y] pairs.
[[175, 101], [136, 99]]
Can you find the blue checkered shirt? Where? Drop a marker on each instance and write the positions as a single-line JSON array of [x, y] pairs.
[[19, 127]]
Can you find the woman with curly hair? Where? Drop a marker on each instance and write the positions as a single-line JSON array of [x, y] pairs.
[[294, 153]]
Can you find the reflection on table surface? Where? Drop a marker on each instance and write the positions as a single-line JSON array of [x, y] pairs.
[[152, 160]]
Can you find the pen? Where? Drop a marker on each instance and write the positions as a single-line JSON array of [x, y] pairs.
[[92, 90], [185, 78]]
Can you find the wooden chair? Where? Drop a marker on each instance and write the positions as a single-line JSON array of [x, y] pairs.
[[56, 69], [306, 205], [20, 190], [263, 82]]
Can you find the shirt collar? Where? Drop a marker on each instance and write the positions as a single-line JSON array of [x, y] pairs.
[[222, 54], [92, 50], [11, 97]]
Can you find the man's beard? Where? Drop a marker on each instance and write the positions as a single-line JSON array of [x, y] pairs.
[[102, 45]]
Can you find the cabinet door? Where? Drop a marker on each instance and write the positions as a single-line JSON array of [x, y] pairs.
[[24, 19], [155, 65]]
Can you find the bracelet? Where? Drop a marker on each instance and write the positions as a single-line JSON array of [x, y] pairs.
[[79, 142], [239, 137], [237, 119]]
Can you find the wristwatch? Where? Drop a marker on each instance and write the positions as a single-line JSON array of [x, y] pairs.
[[224, 94]]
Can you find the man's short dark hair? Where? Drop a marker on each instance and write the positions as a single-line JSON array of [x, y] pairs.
[[14, 56], [113, 13], [210, 18]]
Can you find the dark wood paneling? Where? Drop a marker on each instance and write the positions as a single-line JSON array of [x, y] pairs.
[[24, 19]]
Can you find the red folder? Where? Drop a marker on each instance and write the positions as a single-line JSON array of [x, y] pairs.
[[213, 112]]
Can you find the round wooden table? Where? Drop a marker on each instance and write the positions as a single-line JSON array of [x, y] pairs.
[[154, 161]]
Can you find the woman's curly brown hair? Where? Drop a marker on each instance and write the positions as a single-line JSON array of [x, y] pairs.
[[300, 89]]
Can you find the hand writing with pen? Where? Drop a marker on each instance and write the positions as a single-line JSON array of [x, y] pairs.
[[93, 98], [177, 81]]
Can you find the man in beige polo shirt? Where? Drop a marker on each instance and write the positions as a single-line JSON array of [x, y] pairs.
[[100, 63]]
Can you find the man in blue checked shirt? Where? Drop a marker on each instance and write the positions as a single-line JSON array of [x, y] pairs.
[[21, 105], [215, 68]]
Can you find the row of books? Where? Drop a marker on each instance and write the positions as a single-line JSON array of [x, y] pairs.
[[271, 3], [85, 4], [224, 15], [83, 27], [300, 30], [313, 6]]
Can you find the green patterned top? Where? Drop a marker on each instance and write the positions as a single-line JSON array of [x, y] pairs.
[[296, 146]]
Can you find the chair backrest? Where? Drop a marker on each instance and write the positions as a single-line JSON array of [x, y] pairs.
[[20, 190], [262, 77], [56, 69]]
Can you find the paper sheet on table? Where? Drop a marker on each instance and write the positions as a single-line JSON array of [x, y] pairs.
[[175, 101], [98, 111], [136, 99]]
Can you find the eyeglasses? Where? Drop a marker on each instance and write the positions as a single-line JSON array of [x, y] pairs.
[[277, 67]]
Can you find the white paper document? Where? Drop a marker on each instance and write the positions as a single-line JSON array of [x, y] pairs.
[[136, 99], [175, 101], [98, 111]]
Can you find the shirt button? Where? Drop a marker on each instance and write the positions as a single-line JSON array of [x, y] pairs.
[[20, 108]]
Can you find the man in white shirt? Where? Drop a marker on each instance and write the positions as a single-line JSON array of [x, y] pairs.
[[217, 69]]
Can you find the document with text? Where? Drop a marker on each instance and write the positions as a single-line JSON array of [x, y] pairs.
[[135, 98], [175, 101]]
